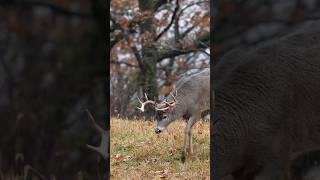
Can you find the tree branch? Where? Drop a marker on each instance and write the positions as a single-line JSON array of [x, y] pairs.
[[172, 52], [115, 24], [205, 52], [160, 3], [118, 37], [134, 50], [125, 63], [176, 31], [200, 43], [171, 22], [188, 6], [124, 34], [184, 34]]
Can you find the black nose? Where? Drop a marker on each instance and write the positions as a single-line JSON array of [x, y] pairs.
[[157, 130]]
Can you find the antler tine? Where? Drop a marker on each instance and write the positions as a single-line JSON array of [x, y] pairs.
[[145, 103], [162, 109], [102, 149], [28, 168], [169, 104], [142, 107], [139, 100], [173, 103], [174, 96], [94, 124]]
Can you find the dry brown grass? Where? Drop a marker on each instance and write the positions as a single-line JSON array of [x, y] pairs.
[[138, 153]]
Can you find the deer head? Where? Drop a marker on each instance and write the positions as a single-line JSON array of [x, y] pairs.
[[163, 111]]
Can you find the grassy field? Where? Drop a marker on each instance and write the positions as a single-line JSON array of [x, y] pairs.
[[138, 153]]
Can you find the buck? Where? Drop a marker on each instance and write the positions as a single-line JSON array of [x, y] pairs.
[[267, 107], [188, 99]]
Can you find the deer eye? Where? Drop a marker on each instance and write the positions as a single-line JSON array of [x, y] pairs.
[[164, 116]]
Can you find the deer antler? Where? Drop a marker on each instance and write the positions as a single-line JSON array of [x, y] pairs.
[[102, 149], [28, 168], [174, 102], [162, 109], [145, 103], [169, 104]]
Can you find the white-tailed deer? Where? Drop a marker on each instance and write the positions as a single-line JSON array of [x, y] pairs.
[[188, 99]]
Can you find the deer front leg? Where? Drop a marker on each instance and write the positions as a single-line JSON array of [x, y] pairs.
[[192, 121], [184, 148], [188, 134]]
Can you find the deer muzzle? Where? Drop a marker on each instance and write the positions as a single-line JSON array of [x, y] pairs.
[[157, 130]]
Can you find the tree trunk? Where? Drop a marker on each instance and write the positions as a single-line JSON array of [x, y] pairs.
[[148, 68]]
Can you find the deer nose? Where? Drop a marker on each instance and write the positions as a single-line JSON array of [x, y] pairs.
[[157, 131]]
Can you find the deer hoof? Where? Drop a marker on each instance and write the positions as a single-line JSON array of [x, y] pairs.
[[183, 157], [191, 151]]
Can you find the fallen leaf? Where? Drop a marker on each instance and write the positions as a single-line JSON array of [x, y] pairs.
[[119, 158]]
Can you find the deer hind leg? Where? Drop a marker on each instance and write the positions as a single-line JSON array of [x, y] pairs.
[[190, 136], [192, 121], [190, 142]]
